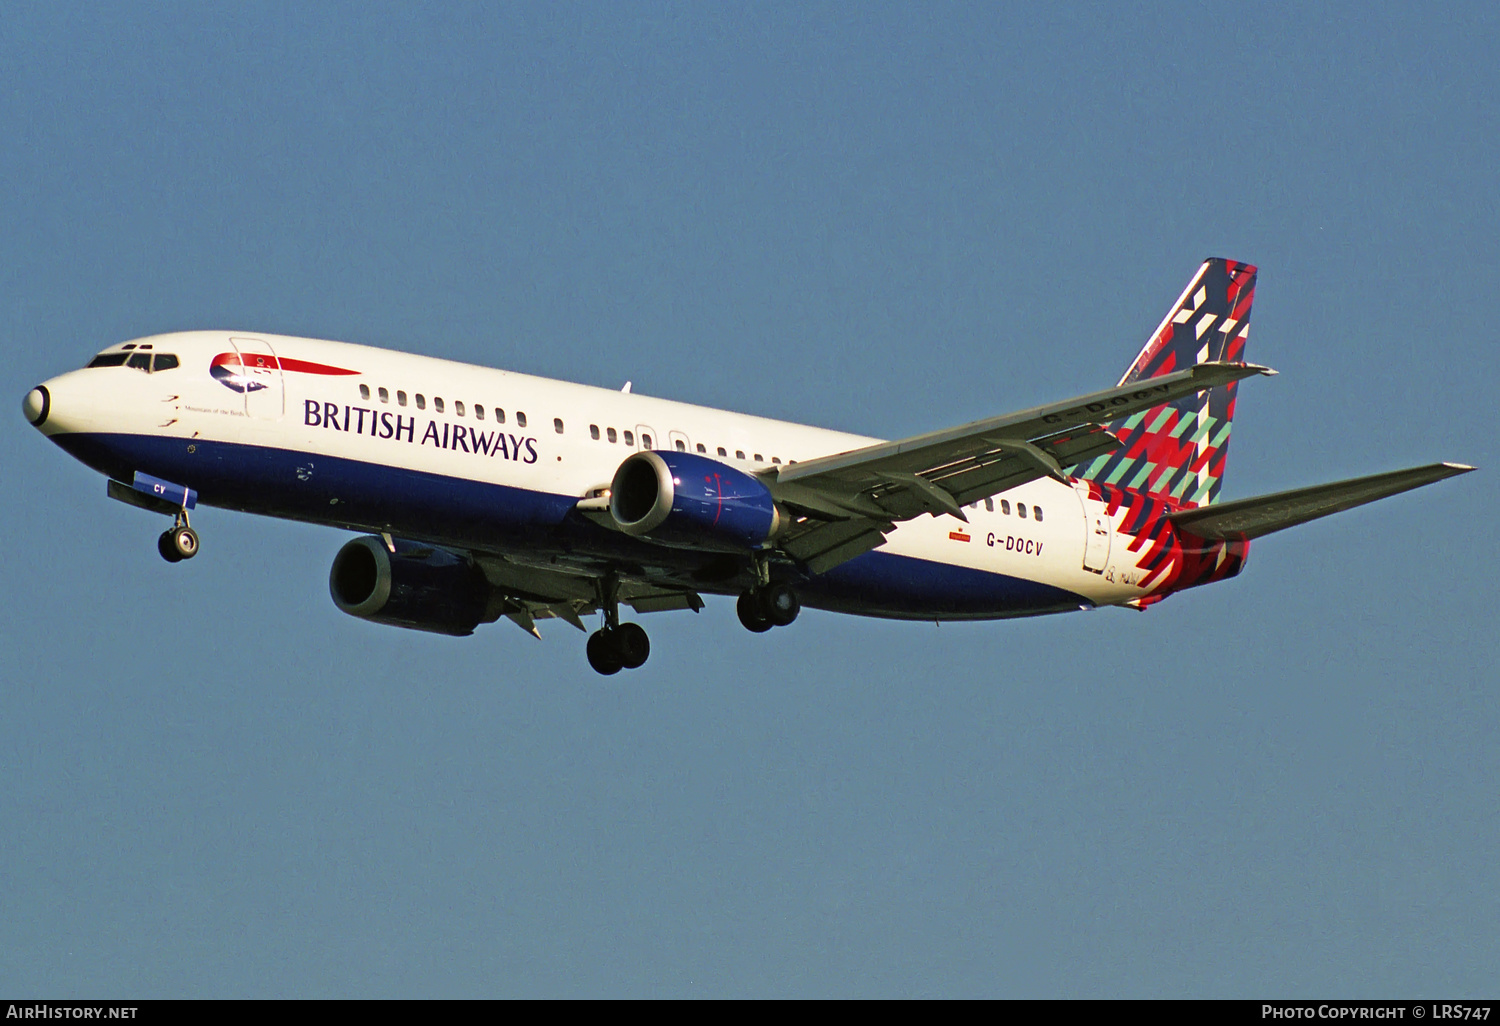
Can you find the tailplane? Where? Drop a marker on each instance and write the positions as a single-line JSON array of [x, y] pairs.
[[1264, 514], [1176, 452]]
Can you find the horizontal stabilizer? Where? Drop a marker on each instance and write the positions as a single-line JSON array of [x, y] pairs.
[[1251, 518]]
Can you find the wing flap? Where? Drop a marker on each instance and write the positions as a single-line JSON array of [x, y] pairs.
[[1265, 514], [986, 476], [531, 593], [660, 600], [824, 546]]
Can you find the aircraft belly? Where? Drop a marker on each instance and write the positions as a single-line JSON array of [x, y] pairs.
[[888, 584], [901, 580]]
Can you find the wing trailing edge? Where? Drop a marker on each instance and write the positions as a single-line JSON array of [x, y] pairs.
[[1265, 514], [943, 471], [849, 501]]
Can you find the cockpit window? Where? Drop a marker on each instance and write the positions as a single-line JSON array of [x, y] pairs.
[[139, 360]]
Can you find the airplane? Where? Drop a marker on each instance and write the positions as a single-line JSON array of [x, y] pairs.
[[485, 494]]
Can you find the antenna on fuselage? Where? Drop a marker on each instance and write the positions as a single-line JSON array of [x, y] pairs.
[[626, 389]]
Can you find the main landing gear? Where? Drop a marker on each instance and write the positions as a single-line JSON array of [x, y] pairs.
[[613, 649], [771, 605], [179, 542], [617, 646]]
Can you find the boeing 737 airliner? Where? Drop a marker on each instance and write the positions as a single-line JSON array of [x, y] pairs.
[[486, 494]]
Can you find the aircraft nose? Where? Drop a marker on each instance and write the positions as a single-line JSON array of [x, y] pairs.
[[36, 405]]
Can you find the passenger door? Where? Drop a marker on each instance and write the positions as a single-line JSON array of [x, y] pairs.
[[1097, 530]]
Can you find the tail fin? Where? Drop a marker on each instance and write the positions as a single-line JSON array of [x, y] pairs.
[[1176, 451]]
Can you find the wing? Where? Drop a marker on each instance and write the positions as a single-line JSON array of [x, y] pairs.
[[531, 593], [847, 502], [1251, 518]]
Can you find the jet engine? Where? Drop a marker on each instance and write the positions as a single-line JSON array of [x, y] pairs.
[[682, 499], [417, 586]]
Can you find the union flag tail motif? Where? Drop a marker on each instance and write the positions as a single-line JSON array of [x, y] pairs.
[[1175, 452]]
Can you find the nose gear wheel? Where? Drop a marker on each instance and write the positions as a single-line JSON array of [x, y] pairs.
[[178, 542]]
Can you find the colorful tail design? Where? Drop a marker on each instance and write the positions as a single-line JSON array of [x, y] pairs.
[[1175, 453]]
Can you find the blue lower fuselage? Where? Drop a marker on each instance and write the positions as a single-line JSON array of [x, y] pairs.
[[533, 525]]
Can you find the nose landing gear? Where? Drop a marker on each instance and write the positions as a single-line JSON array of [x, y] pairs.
[[178, 542]]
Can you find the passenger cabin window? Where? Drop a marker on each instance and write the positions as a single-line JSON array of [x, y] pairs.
[[364, 391], [610, 434], [499, 415], [681, 445], [594, 432], [421, 401], [1021, 510], [629, 438], [108, 360], [989, 504], [458, 407], [400, 398], [437, 403], [739, 454], [520, 419], [557, 425], [645, 441], [702, 448], [775, 459], [140, 361], [385, 396], [1005, 506], [164, 361], [1036, 513], [759, 458], [478, 412], [722, 452]]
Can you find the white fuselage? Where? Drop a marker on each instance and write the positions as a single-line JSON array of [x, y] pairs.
[[298, 424]]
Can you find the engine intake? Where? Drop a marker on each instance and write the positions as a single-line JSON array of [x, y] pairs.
[[690, 501], [420, 587]]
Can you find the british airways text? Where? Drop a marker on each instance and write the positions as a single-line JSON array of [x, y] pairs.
[[386, 425]]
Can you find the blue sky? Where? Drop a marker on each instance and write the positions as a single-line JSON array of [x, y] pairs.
[[879, 218]]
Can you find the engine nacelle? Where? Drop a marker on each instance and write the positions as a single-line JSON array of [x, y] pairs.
[[691, 501], [417, 586]]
